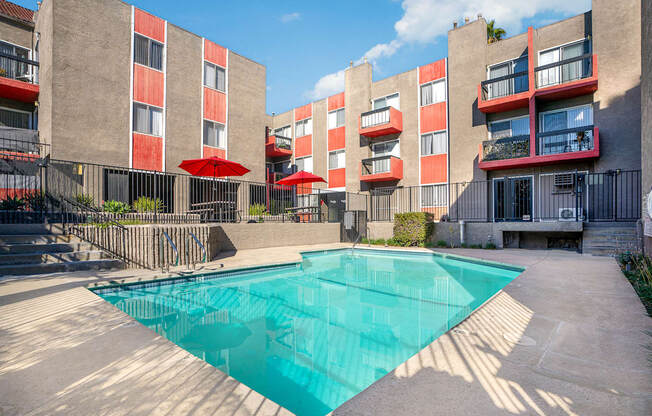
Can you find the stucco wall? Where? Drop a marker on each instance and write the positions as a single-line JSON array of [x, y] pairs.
[[646, 112], [261, 235], [380, 229], [16, 33], [357, 93], [319, 141]]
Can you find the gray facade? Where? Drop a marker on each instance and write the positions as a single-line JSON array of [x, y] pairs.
[[646, 118]]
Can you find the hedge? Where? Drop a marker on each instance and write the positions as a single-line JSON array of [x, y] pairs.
[[413, 228]]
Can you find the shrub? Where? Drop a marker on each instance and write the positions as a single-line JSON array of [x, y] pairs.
[[392, 242], [146, 204], [380, 241], [464, 245], [257, 210], [35, 201], [442, 243], [475, 246], [413, 228], [85, 200], [490, 246], [365, 240], [638, 270], [116, 207], [429, 244], [12, 204]]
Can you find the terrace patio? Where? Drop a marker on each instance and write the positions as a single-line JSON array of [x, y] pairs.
[[546, 344]]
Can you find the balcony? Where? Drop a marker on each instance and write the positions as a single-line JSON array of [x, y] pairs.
[[278, 146], [381, 122], [551, 147], [18, 78], [381, 169], [504, 93], [568, 78], [506, 148]]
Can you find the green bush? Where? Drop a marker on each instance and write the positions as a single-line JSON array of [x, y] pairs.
[[475, 246], [464, 245], [490, 246], [85, 200], [380, 241], [35, 201], [442, 243], [413, 228], [429, 244], [116, 207], [257, 210], [392, 242], [146, 204], [12, 204]]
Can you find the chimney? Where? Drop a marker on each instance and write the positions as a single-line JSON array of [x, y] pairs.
[[455, 25]]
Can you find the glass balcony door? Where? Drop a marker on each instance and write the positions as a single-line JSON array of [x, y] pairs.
[[513, 199], [385, 149], [566, 119]]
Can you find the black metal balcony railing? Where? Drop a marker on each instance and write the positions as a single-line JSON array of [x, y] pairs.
[[374, 117], [282, 142], [380, 164], [28, 150], [564, 141], [504, 86], [18, 68], [568, 70], [506, 148]]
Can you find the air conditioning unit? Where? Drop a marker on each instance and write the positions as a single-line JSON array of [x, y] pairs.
[[564, 180], [567, 214]]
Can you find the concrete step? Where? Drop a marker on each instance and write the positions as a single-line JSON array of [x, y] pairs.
[[32, 258], [22, 229], [44, 248], [31, 269], [36, 238]]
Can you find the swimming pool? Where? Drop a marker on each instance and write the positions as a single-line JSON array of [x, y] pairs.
[[312, 335]]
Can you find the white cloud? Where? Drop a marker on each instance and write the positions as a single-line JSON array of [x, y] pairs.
[[424, 21], [289, 17]]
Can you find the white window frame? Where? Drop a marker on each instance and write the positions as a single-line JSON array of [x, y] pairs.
[[510, 119], [133, 106], [303, 158], [223, 133], [31, 70], [438, 184], [304, 122], [558, 76], [29, 113], [433, 133], [338, 151], [216, 68], [289, 127], [163, 53], [540, 121], [335, 112], [432, 83], [398, 94]]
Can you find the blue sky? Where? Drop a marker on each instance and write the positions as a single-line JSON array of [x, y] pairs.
[[305, 44]]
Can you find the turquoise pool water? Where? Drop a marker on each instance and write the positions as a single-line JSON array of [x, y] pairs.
[[312, 335]]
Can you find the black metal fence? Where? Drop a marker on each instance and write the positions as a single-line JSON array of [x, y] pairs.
[[18, 67], [504, 86], [563, 71]]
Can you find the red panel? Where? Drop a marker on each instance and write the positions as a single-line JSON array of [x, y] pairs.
[[395, 172], [433, 169], [337, 178], [336, 101], [148, 152], [303, 146], [149, 85], [394, 126], [433, 71], [303, 112], [433, 117], [18, 90], [214, 105], [210, 151], [149, 25], [497, 105], [17, 192], [336, 138], [214, 53]]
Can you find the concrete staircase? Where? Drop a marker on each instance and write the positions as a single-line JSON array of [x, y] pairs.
[[27, 249], [608, 239]]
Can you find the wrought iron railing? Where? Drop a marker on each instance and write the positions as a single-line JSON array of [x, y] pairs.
[[26, 150], [282, 142], [505, 85], [565, 141], [568, 70], [18, 68], [506, 148], [380, 164], [375, 117]]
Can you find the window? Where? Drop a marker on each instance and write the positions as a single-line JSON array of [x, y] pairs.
[[303, 127], [214, 77], [509, 128], [434, 92], [336, 159], [10, 68], [434, 143], [388, 101], [434, 195], [566, 119], [283, 132], [15, 119], [148, 119], [577, 135], [148, 52], [336, 118], [304, 163], [214, 134], [391, 148], [571, 71], [508, 86]]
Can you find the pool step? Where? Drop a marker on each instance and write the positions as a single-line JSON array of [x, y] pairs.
[[30, 249]]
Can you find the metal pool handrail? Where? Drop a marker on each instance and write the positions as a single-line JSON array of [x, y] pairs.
[[160, 251], [201, 246]]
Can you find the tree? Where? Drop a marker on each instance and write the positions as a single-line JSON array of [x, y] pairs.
[[494, 34]]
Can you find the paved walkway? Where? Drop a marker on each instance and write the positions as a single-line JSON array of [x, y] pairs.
[[566, 337]]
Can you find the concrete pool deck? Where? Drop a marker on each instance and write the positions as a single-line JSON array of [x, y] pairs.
[[566, 337]]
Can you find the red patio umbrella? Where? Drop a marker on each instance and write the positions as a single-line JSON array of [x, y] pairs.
[[300, 178], [213, 166]]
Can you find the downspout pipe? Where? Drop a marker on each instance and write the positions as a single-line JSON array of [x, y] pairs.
[[462, 236]]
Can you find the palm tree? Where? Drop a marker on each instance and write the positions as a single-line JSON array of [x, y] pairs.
[[494, 34]]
